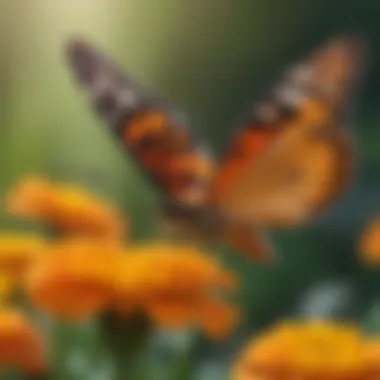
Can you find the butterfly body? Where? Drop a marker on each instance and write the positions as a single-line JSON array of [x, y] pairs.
[[289, 160]]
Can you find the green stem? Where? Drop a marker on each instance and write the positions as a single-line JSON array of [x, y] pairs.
[[191, 359], [126, 338]]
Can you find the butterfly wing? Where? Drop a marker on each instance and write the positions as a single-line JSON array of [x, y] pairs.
[[163, 145], [157, 136], [299, 176], [291, 158]]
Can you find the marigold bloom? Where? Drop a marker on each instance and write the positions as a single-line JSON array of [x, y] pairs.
[[76, 279], [67, 208], [21, 345], [369, 244], [18, 252], [177, 286], [309, 350]]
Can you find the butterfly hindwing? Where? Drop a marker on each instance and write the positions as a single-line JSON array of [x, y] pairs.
[[299, 175]]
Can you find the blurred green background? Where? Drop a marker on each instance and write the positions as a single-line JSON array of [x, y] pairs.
[[211, 58]]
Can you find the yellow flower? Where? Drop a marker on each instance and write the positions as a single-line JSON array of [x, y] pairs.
[[76, 279], [317, 350], [21, 345], [177, 285], [67, 208], [18, 253], [369, 244]]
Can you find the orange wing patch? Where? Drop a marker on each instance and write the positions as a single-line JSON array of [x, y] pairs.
[[168, 154], [301, 172], [149, 125], [248, 147], [253, 143]]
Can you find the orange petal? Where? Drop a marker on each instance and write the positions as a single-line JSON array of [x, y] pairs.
[[172, 315], [67, 208], [21, 344], [76, 280], [218, 318]]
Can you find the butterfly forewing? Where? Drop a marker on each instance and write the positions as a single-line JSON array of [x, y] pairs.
[[336, 71], [155, 134], [291, 158]]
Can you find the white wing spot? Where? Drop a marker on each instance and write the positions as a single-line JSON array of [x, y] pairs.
[[127, 98], [300, 74], [100, 85], [289, 95]]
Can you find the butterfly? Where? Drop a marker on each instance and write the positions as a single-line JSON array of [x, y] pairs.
[[289, 159]]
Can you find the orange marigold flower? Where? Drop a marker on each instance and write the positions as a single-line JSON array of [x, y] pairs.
[[317, 350], [177, 286], [68, 208], [369, 244], [76, 279], [21, 345], [18, 252]]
